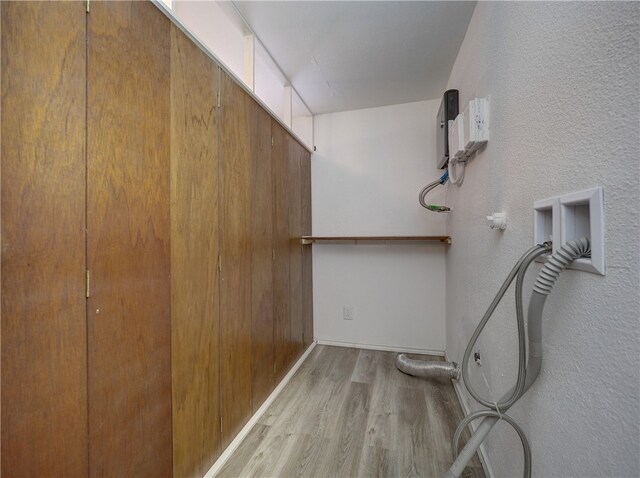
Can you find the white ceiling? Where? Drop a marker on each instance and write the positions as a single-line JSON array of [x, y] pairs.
[[358, 54]]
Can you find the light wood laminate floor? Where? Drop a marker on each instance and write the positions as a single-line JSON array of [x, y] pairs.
[[350, 412]]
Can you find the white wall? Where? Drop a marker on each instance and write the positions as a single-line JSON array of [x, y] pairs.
[[218, 27], [270, 84], [369, 167], [563, 79]]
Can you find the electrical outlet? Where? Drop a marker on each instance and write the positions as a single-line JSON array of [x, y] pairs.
[[347, 312]]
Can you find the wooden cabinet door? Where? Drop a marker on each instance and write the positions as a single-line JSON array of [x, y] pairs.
[[282, 323], [195, 314], [307, 265], [128, 247], [295, 153], [235, 259], [44, 374], [262, 257]]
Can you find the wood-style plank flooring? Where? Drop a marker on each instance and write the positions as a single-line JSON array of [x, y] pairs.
[[350, 412]]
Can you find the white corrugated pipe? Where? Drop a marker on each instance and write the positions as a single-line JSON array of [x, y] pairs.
[[542, 288]]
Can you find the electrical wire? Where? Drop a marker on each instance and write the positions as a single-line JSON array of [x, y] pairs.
[[430, 187], [457, 180]]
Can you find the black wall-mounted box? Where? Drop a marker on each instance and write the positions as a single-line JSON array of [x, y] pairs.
[[447, 112]]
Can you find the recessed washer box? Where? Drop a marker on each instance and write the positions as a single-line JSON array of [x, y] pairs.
[[571, 216], [546, 222], [582, 214]]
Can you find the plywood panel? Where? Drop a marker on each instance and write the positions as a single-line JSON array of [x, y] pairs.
[[195, 315], [307, 262], [295, 152], [129, 328], [262, 348], [235, 251], [282, 322], [44, 401]]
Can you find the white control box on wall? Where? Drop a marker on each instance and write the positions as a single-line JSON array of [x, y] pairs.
[[476, 131], [579, 214], [456, 138], [469, 131]]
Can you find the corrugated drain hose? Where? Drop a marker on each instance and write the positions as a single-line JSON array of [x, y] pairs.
[[518, 270], [543, 285]]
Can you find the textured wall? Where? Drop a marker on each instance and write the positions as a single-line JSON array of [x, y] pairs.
[[366, 175], [564, 81]]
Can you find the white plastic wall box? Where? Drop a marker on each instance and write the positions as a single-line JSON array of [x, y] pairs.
[[476, 130], [456, 138], [469, 131], [497, 220], [582, 214], [574, 215]]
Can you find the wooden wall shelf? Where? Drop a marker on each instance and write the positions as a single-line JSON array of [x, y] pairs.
[[312, 239]]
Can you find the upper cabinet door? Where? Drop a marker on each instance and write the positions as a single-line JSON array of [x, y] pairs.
[[44, 374], [129, 329]]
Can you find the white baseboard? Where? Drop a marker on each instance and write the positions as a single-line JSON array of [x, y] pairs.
[[385, 348], [482, 452], [226, 454]]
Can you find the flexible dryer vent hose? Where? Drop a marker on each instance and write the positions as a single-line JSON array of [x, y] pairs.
[[544, 283], [428, 369]]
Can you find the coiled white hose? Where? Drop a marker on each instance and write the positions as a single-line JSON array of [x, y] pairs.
[[518, 270], [542, 288], [558, 262], [497, 416]]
